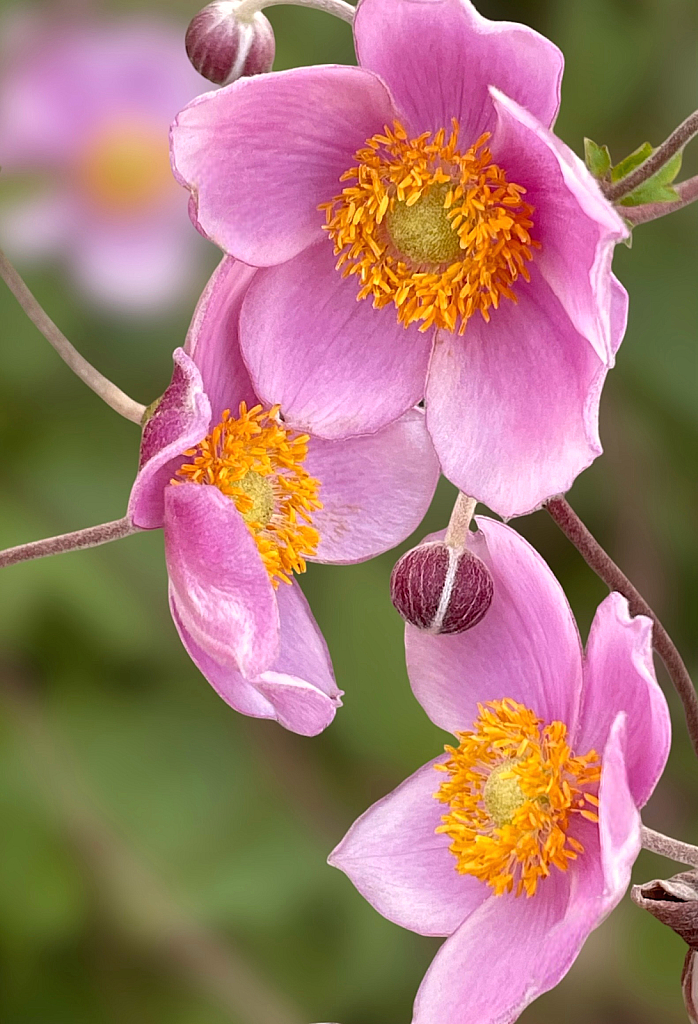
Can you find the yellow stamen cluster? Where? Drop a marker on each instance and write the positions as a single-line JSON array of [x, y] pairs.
[[513, 788], [258, 463], [439, 233]]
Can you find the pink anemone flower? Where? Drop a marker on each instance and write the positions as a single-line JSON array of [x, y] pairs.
[[85, 108], [423, 234], [518, 841], [243, 501]]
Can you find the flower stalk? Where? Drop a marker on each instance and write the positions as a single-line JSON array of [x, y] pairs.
[[90, 537], [108, 392], [672, 849], [459, 523], [661, 156], [687, 191], [607, 570], [341, 10]]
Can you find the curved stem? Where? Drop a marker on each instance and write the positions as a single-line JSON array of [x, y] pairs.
[[108, 392], [676, 141], [673, 849], [88, 538], [688, 193], [459, 523], [607, 570], [338, 8]]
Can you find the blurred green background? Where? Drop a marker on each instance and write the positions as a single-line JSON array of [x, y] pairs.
[[161, 857]]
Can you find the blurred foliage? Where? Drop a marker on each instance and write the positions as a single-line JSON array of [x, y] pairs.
[[162, 858]]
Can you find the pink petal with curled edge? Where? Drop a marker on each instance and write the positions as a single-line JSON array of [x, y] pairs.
[[336, 366], [619, 677], [213, 343], [375, 489], [397, 861], [526, 647], [620, 827], [513, 405], [180, 420], [219, 584], [298, 691], [438, 58], [576, 226], [260, 155]]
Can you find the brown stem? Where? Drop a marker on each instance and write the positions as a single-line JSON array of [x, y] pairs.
[[672, 849], [108, 392], [88, 538], [459, 523], [688, 193], [607, 570], [662, 155]]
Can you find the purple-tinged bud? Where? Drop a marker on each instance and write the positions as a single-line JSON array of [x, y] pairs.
[[441, 589], [223, 47]]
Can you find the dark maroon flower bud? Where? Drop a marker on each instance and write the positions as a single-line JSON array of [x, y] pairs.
[[441, 589], [224, 47]]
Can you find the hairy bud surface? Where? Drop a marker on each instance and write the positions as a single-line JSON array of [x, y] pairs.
[[223, 47]]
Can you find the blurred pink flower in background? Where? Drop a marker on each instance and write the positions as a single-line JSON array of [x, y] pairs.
[[85, 108]]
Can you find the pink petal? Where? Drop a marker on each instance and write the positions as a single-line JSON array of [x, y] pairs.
[[439, 57], [335, 365], [619, 677], [397, 861], [219, 584], [260, 155], [375, 488], [213, 341], [578, 229], [526, 647], [298, 691], [181, 420], [513, 406], [619, 819]]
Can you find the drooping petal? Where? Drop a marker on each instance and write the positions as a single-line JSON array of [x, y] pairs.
[[396, 860], [260, 155], [620, 826], [513, 405], [619, 677], [213, 342], [438, 58], [299, 690], [375, 488], [336, 366], [576, 226], [181, 420], [219, 584], [526, 647]]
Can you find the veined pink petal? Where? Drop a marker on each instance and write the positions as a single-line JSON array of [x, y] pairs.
[[397, 861], [375, 488], [336, 366], [526, 647], [438, 58], [180, 420], [576, 226], [219, 584], [619, 677], [619, 818], [260, 155], [513, 405], [213, 343]]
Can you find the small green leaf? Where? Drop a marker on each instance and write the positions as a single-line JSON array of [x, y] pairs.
[[658, 188], [623, 169], [597, 158]]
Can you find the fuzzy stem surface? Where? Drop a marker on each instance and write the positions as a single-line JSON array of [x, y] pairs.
[[662, 155], [88, 538], [688, 193], [615, 579], [108, 392], [673, 849], [459, 523], [248, 8]]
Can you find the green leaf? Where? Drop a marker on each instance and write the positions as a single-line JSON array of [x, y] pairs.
[[658, 188], [623, 169], [597, 158]]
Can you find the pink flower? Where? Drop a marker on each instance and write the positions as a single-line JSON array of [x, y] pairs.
[[243, 501], [85, 108], [509, 844], [478, 245]]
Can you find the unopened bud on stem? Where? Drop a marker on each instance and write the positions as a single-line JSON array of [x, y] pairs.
[[224, 47]]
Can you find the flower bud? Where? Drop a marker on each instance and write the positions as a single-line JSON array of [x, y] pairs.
[[223, 47], [441, 589]]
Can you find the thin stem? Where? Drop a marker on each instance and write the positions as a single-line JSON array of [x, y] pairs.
[[108, 392], [688, 193], [676, 141], [672, 849], [88, 538], [607, 570], [338, 8], [459, 523]]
